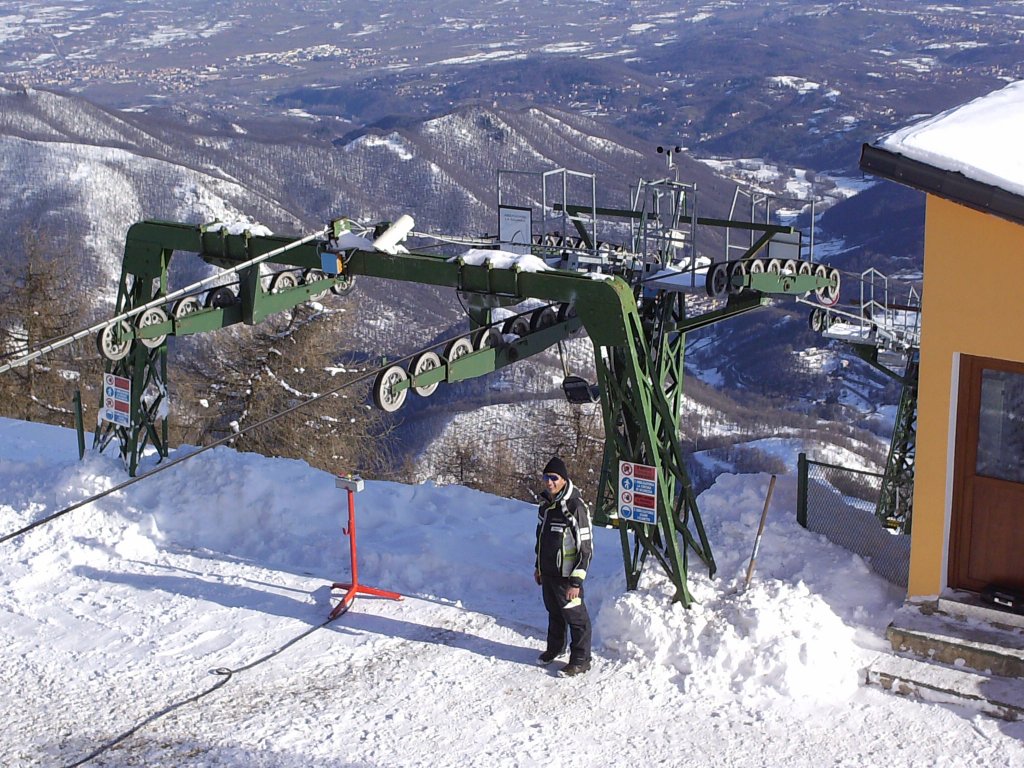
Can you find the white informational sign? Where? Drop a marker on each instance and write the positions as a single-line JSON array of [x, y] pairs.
[[117, 399], [515, 229], [638, 492]]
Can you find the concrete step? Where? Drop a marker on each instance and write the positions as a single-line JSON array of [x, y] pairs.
[[967, 605], [969, 638], [995, 696]]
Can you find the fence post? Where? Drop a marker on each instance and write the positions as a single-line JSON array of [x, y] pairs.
[[79, 423], [801, 489]]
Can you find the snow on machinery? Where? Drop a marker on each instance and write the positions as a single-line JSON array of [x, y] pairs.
[[633, 278]]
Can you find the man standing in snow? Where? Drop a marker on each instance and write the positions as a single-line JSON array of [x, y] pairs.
[[564, 547]]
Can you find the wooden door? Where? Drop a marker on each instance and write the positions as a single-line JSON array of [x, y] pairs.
[[987, 524]]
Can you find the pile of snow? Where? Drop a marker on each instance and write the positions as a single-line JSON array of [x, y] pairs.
[[115, 615], [497, 259], [240, 228]]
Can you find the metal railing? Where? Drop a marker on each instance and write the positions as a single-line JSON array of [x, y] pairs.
[[840, 502]]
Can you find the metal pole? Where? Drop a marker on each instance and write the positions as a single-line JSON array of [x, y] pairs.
[[79, 424], [760, 532], [801, 489], [353, 483], [352, 536]]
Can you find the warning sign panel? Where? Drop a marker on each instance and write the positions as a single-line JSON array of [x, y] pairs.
[[117, 398], [638, 492]]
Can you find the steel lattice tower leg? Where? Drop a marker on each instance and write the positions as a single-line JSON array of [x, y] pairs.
[[641, 382], [896, 499], [144, 366]]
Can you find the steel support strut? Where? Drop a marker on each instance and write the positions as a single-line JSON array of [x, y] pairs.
[[641, 396], [895, 502], [143, 278]]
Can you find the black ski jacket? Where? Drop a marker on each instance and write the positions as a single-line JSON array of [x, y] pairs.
[[564, 538]]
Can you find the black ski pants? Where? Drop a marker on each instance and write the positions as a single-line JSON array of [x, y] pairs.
[[575, 618]]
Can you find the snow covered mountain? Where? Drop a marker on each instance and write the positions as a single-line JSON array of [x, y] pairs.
[[84, 174], [90, 172]]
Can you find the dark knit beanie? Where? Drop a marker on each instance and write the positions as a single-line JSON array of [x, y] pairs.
[[556, 467]]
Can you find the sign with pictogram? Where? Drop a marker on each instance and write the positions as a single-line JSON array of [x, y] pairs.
[[117, 398], [638, 492]]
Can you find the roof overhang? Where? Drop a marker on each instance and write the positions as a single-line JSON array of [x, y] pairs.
[[951, 185]]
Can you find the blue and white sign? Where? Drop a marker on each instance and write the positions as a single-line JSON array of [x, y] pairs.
[[645, 486], [638, 492], [117, 398]]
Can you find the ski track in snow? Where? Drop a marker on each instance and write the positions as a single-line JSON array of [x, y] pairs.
[[119, 612]]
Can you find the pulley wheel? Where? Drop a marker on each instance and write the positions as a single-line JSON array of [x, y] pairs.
[[457, 348], [817, 320], [566, 311], [756, 266], [488, 338], [790, 267], [737, 269], [716, 283], [384, 394], [186, 306], [220, 298], [517, 326], [544, 317], [153, 316], [827, 294], [283, 281], [423, 362], [115, 340], [315, 276], [805, 268], [774, 266], [343, 285]]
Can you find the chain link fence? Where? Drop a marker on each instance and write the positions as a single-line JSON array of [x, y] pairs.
[[840, 503]]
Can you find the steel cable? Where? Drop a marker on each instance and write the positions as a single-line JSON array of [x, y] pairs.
[[207, 281], [226, 674], [174, 462]]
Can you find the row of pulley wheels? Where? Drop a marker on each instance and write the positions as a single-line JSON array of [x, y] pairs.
[[719, 282], [389, 399], [114, 340]]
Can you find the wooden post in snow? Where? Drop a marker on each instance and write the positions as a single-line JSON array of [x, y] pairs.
[[760, 532]]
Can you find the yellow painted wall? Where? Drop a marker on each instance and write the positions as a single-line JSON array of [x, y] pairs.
[[972, 304]]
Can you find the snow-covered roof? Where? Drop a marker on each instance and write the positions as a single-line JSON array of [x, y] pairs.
[[971, 154]]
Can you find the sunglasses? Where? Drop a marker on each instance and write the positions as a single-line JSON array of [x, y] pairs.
[[551, 478]]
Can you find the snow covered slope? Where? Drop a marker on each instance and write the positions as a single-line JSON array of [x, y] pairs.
[[185, 614]]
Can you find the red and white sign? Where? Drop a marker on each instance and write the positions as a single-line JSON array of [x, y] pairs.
[[117, 398], [638, 492]]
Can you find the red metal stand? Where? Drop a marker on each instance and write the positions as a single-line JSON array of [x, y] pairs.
[[354, 587]]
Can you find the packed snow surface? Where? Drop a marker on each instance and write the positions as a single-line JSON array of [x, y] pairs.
[[180, 622], [980, 139]]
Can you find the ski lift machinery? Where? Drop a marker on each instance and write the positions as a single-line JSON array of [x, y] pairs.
[[885, 332], [632, 278]]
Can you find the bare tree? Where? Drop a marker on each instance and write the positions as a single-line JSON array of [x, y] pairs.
[[509, 465], [249, 376], [42, 302]]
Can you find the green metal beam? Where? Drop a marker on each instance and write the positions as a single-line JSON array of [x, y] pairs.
[[638, 355]]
